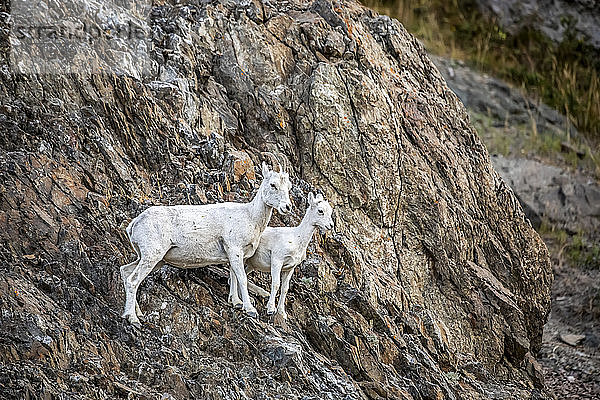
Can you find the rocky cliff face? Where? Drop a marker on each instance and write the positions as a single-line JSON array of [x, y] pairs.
[[553, 18], [434, 286]]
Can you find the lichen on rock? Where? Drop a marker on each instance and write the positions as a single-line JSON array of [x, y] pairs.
[[433, 286]]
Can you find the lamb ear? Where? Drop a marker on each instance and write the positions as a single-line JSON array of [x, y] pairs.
[[265, 170], [311, 199]]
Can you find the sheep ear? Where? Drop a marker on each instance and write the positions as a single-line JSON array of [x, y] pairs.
[[311, 199], [319, 198], [265, 170]]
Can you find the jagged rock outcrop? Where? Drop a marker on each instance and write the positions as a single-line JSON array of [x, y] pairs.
[[554, 18], [434, 286]]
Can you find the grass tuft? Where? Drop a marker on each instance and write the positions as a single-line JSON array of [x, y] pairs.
[[576, 249]]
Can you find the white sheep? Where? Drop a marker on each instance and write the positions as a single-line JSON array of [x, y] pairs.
[[281, 249], [190, 236]]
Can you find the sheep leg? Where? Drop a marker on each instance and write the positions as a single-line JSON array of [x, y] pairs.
[[234, 297], [138, 310], [275, 280], [144, 266], [287, 276], [126, 271], [236, 262], [132, 284]]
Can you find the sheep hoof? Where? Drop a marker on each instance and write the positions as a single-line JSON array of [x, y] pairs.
[[238, 306], [133, 320], [280, 320], [270, 312], [252, 314], [282, 316]]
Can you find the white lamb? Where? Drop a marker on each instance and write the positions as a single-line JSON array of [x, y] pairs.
[[190, 236], [281, 249]]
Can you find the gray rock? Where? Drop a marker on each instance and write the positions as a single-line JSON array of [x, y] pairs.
[[569, 201], [550, 17], [433, 268], [572, 340], [495, 98]]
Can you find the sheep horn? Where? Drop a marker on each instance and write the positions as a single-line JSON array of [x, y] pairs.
[[286, 164], [274, 160]]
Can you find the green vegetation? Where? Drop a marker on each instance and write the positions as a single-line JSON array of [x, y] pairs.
[[566, 76], [580, 252], [524, 140], [560, 236], [576, 249]]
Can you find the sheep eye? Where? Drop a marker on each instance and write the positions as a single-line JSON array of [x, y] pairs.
[[274, 186]]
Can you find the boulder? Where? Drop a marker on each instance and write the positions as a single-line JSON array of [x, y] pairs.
[[555, 19], [567, 200]]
